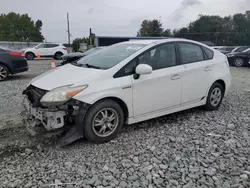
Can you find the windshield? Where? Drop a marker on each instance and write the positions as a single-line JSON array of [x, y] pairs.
[[91, 51], [247, 50], [240, 49], [111, 56]]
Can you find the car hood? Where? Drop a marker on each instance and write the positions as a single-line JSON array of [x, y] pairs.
[[27, 49], [63, 75], [70, 55], [238, 53]]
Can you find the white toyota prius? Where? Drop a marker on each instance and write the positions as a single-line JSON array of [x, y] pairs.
[[127, 82]]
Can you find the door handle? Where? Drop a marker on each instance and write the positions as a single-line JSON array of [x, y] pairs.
[[175, 77], [208, 68]]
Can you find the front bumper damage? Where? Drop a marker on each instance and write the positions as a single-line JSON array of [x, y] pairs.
[[64, 117], [50, 119]]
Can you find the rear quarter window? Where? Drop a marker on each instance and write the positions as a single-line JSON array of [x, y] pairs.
[[209, 53]]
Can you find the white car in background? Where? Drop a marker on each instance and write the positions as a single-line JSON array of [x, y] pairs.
[[128, 82], [55, 50]]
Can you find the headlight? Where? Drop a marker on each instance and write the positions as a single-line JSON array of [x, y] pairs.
[[61, 95], [229, 55]]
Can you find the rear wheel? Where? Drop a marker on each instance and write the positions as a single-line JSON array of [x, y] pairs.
[[29, 56], [215, 96], [4, 73], [238, 62], [103, 121], [58, 55]]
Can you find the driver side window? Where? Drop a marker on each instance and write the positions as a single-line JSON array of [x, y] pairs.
[[160, 57]]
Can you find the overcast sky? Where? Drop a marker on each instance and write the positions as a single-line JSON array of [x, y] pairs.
[[116, 17]]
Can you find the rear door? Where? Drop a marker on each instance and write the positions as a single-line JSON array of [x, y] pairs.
[[51, 49], [197, 75]]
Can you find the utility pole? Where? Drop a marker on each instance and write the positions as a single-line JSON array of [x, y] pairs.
[[217, 33], [68, 31], [90, 36]]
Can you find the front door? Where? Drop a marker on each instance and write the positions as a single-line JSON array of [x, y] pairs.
[[41, 50], [161, 89]]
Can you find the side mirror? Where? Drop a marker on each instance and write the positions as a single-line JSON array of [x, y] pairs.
[[143, 69]]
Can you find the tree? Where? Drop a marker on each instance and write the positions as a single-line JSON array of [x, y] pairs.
[[77, 41], [150, 28], [167, 33], [228, 30], [20, 27]]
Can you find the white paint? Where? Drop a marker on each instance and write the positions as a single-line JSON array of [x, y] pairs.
[[162, 92]]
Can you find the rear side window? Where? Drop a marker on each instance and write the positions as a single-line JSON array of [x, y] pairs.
[[209, 53], [50, 45], [190, 53]]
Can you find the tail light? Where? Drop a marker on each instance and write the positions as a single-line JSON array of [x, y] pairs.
[[16, 54], [65, 48]]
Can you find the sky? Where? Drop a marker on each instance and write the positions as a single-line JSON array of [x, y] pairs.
[[116, 17]]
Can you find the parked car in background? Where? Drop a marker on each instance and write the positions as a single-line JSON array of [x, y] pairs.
[[11, 62], [225, 49], [239, 59], [128, 82], [73, 57], [240, 48], [55, 50]]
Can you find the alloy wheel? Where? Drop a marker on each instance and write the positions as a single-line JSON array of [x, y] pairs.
[[3, 73], [239, 62], [105, 122], [215, 97]]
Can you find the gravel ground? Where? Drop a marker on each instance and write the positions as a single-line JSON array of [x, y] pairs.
[[11, 89], [189, 149]]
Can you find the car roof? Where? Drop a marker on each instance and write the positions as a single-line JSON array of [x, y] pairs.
[[158, 41]]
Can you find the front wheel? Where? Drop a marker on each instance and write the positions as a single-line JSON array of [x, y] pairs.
[[215, 96], [238, 62], [29, 56], [58, 55], [103, 121]]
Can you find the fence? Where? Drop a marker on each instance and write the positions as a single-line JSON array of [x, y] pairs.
[[18, 45]]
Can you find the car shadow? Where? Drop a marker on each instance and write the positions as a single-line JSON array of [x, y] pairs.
[[21, 77]]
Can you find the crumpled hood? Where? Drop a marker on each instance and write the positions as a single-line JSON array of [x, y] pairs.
[[64, 75]]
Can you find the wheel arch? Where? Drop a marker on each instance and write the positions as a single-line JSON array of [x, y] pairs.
[[29, 52], [221, 82], [119, 101], [6, 65]]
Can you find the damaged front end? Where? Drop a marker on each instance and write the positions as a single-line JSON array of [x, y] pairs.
[[54, 116]]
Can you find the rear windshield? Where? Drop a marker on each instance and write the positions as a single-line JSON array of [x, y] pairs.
[[3, 48]]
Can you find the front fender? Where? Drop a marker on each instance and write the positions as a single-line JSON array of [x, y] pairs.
[[124, 95]]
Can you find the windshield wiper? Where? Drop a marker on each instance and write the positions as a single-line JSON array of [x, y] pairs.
[[92, 66]]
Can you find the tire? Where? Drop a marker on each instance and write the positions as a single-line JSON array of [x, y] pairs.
[[58, 55], [94, 117], [4, 73], [215, 96], [29, 56], [238, 62]]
